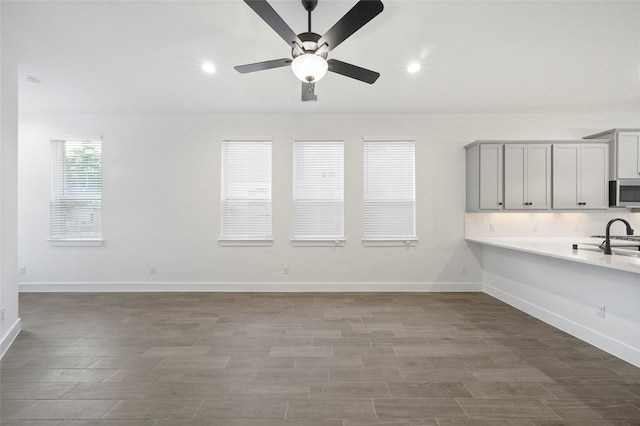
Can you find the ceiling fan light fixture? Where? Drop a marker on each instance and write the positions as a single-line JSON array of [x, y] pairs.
[[309, 67]]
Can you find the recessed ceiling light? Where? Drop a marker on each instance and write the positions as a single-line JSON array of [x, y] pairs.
[[208, 68], [413, 67]]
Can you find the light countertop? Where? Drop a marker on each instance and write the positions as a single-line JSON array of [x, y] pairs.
[[561, 248]]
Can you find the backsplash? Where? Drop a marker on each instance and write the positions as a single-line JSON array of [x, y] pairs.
[[547, 224]]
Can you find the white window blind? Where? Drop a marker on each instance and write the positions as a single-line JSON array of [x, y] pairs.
[[246, 190], [76, 195], [389, 190], [318, 190]]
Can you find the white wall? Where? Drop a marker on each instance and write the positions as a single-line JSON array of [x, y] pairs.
[[162, 188], [10, 326]]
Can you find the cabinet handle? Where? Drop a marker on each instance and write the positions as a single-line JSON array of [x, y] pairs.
[[500, 203]]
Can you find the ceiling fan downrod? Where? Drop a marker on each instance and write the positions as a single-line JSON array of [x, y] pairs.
[[309, 6]]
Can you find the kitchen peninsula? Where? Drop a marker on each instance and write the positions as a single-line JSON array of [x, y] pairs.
[[588, 294], [563, 248]]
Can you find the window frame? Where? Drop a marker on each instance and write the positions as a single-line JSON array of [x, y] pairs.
[[337, 239], [58, 174], [231, 239], [407, 240]]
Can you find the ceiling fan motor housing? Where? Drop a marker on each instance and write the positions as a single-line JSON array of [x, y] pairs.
[[309, 45]]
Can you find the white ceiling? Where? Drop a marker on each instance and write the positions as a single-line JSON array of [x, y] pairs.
[[477, 56]]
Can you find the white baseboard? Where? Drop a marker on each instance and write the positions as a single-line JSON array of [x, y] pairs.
[[614, 347], [247, 287], [8, 338]]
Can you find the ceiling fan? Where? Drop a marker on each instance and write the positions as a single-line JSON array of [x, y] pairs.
[[309, 50]]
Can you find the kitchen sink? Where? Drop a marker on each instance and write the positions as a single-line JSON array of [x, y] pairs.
[[622, 250]]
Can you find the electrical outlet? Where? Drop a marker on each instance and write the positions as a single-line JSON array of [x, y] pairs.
[[492, 228], [152, 269], [2, 314], [23, 270], [600, 311], [463, 270], [285, 269]]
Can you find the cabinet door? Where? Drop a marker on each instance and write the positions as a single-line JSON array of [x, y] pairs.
[[515, 157], [580, 174], [527, 176], [566, 163], [491, 176], [628, 155], [538, 180], [593, 176]]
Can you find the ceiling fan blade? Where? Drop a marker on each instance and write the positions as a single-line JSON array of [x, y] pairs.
[[275, 21], [352, 21], [353, 71], [260, 66], [309, 92]]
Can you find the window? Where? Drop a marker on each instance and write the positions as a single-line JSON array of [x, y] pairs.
[[318, 191], [389, 191], [76, 195], [246, 191]]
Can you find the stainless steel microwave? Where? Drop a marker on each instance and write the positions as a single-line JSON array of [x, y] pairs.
[[624, 193]]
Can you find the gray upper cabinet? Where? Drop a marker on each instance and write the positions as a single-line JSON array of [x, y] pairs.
[[628, 155], [540, 175], [580, 175], [485, 169], [625, 152], [527, 176]]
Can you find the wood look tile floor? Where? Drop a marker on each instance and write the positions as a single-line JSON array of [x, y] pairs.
[[290, 359]]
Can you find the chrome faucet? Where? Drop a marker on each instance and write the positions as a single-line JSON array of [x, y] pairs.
[[606, 245]]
